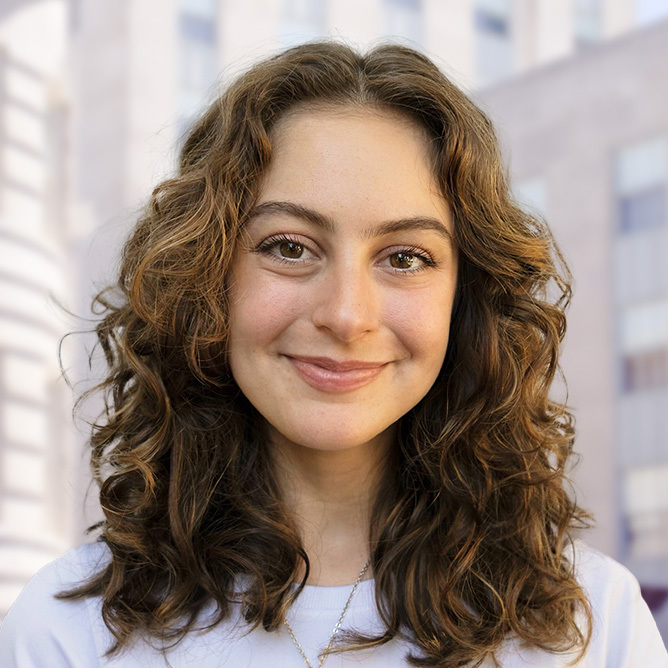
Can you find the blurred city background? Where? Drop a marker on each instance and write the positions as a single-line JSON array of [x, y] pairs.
[[96, 94]]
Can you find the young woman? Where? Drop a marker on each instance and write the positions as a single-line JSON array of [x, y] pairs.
[[328, 437]]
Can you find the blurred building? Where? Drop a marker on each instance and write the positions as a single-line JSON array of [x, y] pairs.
[[587, 142], [579, 91], [36, 443]]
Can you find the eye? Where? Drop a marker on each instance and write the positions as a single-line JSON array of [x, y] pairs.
[[410, 261], [282, 248], [288, 250]]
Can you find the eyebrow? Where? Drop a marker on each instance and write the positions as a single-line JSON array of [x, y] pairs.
[[327, 224]]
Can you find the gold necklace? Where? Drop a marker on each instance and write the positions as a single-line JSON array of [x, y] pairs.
[[336, 628]]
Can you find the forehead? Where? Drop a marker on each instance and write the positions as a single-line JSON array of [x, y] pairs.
[[305, 117], [322, 110], [342, 152], [366, 169]]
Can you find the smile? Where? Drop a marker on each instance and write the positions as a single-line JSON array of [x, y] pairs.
[[327, 380]]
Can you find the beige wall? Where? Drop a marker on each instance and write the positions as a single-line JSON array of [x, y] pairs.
[[563, 123]]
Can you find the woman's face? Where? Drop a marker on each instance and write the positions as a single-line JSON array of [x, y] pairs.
[[347, 256]]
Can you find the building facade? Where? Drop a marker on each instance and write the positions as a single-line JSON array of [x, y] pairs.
[[37, 445], [579, 96], [588, 138]]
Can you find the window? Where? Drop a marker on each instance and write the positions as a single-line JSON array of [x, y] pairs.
[[489, 22], [494, 59], [199, 56], [643, 210], [23, 472], [646, 506], [644, 346], [307, 12], [403, 18], [23, 424], [197, 29], [641, 294], [24, 377], [640, 181], [301, 20], [587, 22], [645, 370], [641, 214]]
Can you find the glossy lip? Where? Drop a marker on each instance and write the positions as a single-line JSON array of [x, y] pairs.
[[336, 380], [333, 365]]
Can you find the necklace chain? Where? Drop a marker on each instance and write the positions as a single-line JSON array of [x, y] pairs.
[[336, 628]]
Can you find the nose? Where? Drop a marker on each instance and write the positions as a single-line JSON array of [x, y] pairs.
[[347, 302]]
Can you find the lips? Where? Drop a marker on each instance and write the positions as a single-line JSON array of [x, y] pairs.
[[327, 375], [333, 365]]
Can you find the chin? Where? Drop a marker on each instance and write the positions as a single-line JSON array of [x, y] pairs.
[[328, 439]]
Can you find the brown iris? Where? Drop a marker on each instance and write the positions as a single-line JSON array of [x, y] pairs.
[[405, 260], [291, 249]]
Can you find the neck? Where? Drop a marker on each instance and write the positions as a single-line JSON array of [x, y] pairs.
[[330, 496]]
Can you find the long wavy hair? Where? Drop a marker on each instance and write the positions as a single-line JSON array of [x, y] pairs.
[[471, 526]]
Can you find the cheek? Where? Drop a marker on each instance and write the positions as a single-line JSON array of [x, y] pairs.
[[421, 320], [261, 309]]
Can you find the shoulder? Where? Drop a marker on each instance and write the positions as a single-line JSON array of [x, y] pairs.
[[624, 631], [600, 575], [624, 634], [42, 630]]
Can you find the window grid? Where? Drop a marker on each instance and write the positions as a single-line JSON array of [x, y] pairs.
[[641, 216]]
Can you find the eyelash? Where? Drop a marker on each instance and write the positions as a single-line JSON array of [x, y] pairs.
[[269, 244]]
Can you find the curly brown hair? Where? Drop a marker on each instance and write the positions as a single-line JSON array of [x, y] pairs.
[[470, 527]]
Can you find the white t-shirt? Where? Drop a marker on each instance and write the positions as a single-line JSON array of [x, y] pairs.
[[42, 632]]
